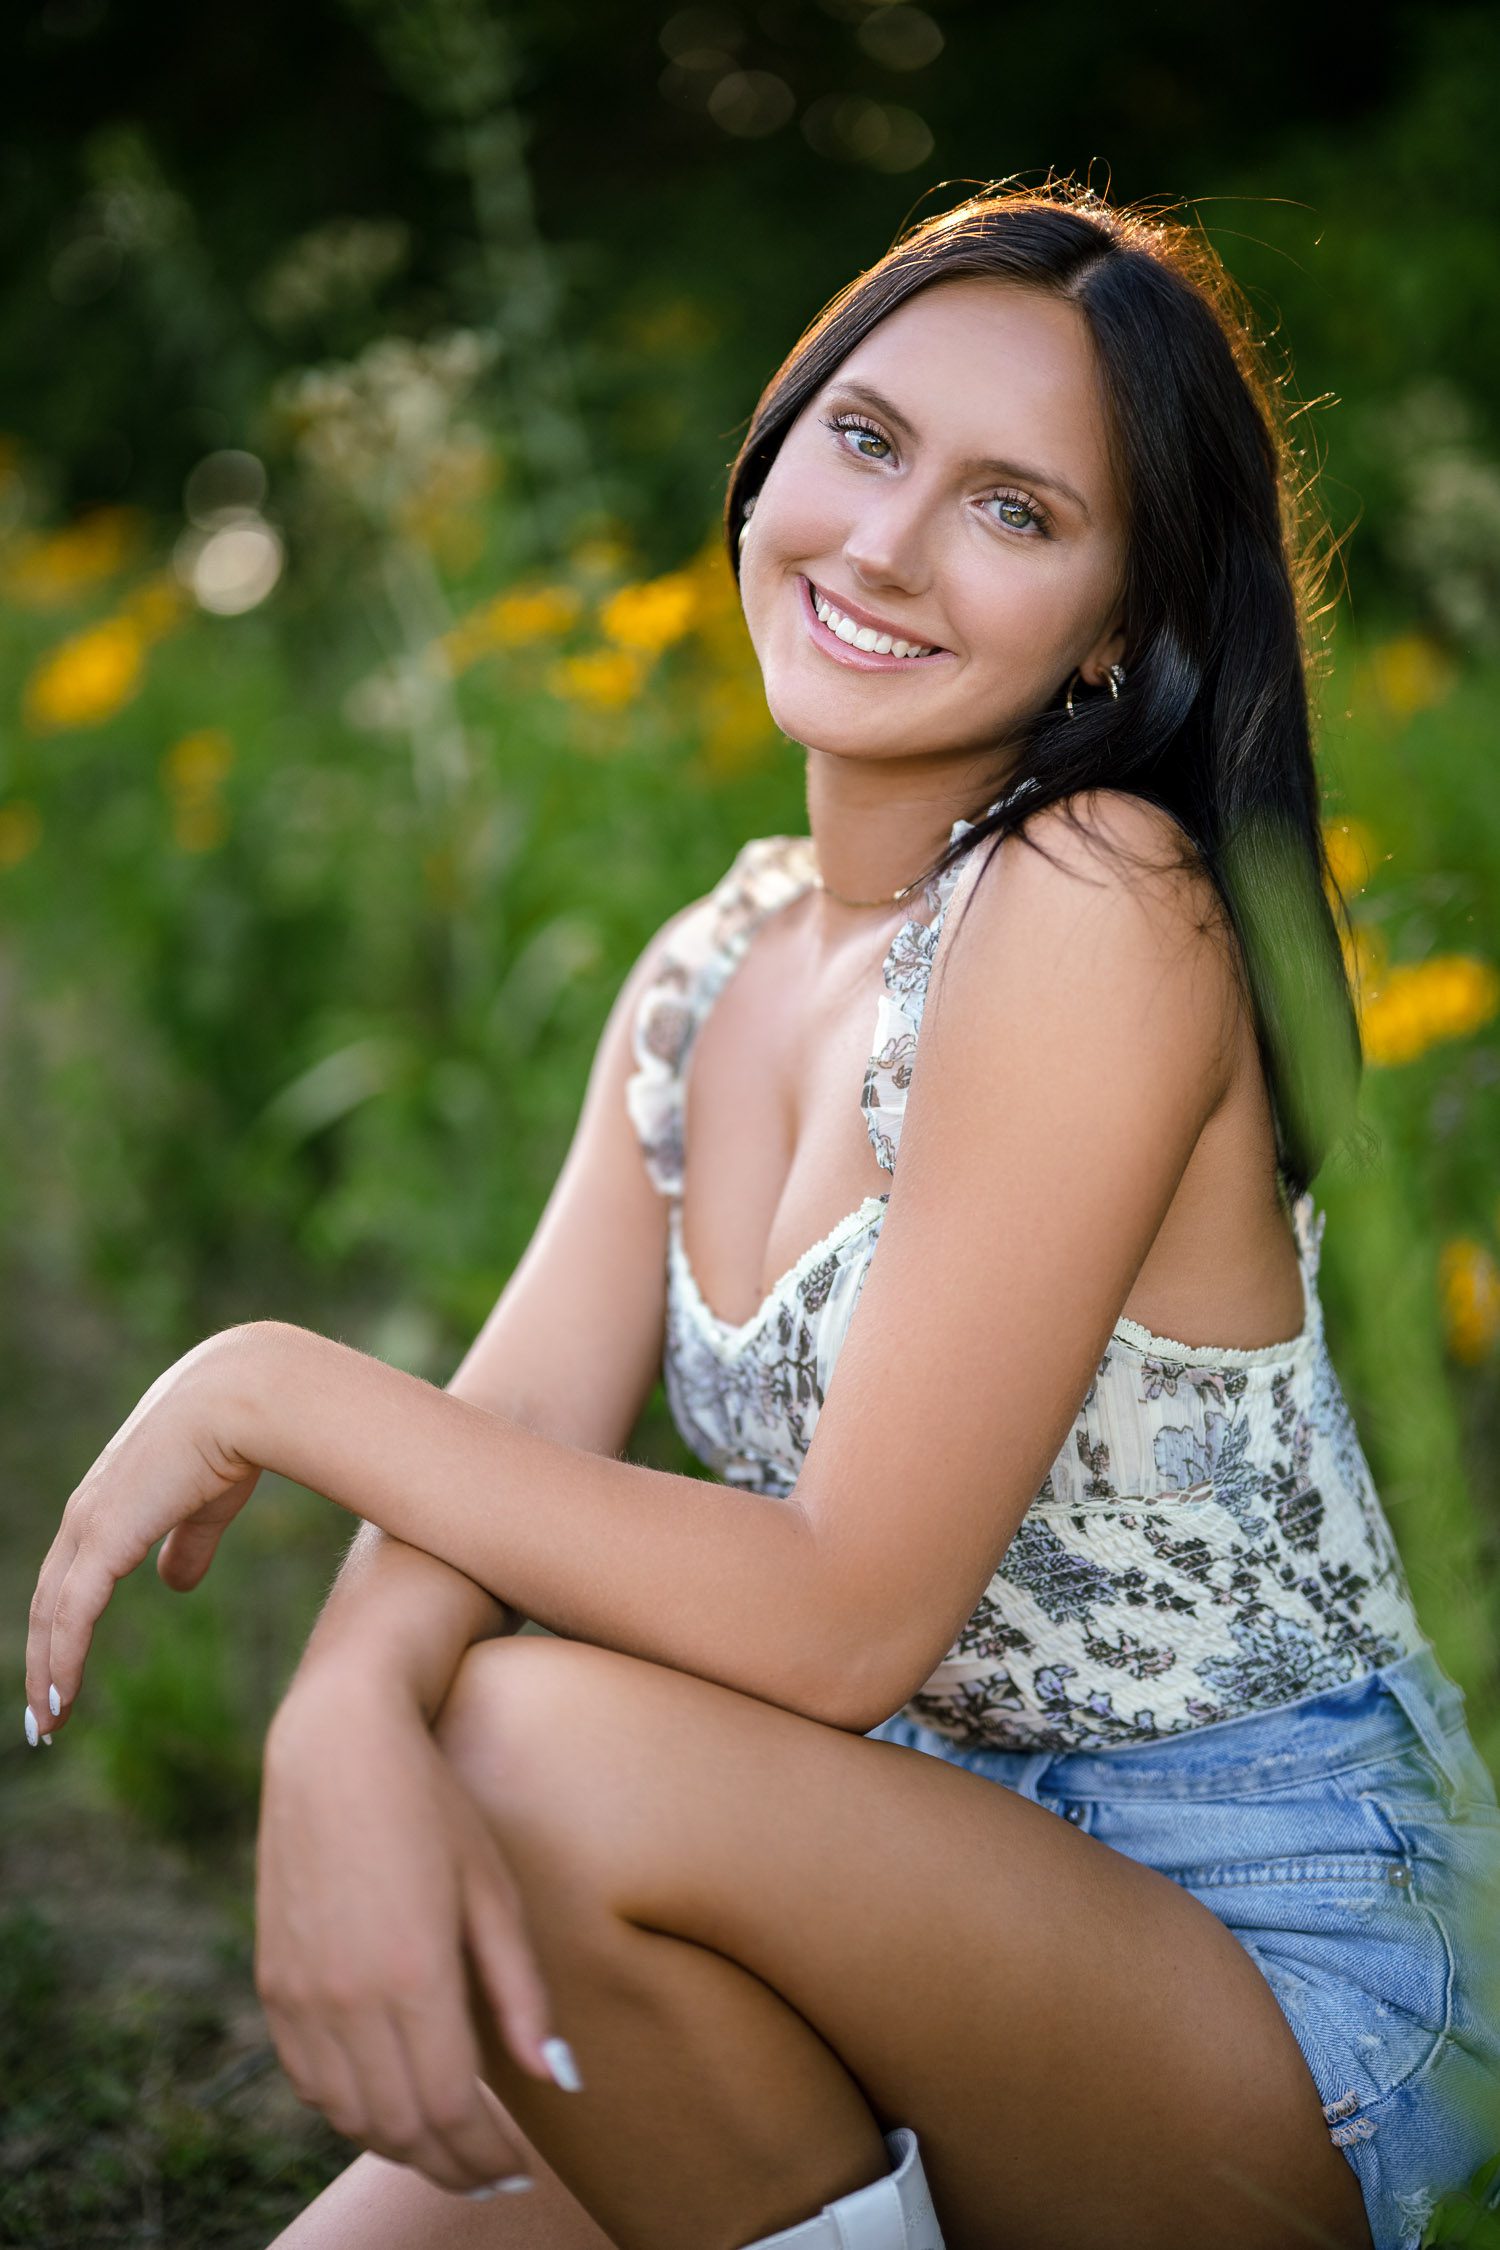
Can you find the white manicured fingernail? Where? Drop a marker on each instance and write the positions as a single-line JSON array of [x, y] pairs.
[[558, 2056], [512, 2184], [54, 1703], [33, 1732], [48, 1740]]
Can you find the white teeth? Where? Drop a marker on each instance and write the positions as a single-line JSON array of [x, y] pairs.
[[864, 636]]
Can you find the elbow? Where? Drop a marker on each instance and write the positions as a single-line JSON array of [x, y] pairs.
[[863, 1692]]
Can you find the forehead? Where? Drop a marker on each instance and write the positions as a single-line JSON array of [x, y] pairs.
[[983, 367]]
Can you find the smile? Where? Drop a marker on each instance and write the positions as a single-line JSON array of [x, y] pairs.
[[849, 640]]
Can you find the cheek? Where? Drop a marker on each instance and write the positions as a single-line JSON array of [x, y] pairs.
[[1019, 618]]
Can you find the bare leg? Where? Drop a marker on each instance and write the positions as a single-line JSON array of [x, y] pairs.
[[377, 2205]]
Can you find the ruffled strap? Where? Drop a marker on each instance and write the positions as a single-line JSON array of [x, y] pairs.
[[1308, 1222], [766, 873], [907, 972]]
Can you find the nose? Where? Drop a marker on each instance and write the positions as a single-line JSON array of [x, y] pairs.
[[886, 545]]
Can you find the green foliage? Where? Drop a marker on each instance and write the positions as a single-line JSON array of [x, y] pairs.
[[1471, 2215], [168, 1727], [121, 2121]]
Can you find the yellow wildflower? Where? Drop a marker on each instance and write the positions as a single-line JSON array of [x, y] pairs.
[[1410, 673], [198, 762], [1421, 1004], [54, 566], [736, 726], [20, 831], [156, 606], [605, 678], [1351, 848], [1469, 1288], [511, 620], [87, 678], [651, 615], [198, 823]]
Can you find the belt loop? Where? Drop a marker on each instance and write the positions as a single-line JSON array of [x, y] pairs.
[[1413, 1700], [1034, 1764]]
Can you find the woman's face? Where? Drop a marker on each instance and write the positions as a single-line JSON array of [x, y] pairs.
[[974, 512]]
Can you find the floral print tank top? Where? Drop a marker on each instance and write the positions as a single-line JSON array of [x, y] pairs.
[[1209, 1541]]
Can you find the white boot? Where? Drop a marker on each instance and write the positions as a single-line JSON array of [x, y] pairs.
[[891, 2214]]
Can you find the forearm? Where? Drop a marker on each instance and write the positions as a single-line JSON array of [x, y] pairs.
[[729, 1585], [398, 1615]]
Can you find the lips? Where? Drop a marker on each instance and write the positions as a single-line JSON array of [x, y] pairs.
[[863, 616]]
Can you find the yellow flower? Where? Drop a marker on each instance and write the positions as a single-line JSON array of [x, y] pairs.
[[1419, 1005], [198, 762], [511, 620], [1469, 1288], [1351, 849], [198, 823], [1410, 673], [156, 606], [651, 615], [20, 831], [736, 726], [87, 678], [605, 678], [54, 566]]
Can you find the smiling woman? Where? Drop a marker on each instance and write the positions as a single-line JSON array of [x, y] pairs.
[[1013, 1614]]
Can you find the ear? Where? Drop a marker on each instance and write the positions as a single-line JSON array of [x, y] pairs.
[[1108, 649]]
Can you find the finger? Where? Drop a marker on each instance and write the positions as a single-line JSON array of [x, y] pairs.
[[183, 1557], [506, 1966], [39, 1677], [444, 2064], [316, 2068], [429, 2128], [81, 1601], [392, 2111]]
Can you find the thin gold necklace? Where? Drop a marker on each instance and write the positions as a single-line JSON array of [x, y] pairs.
[[894, 898]]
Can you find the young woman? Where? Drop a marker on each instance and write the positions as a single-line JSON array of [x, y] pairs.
[[1015, 1801]]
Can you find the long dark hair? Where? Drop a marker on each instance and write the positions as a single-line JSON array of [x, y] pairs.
[[1226, 560]]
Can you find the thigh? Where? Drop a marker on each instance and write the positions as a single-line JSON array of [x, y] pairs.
[[1084, 2050], [377, 2205]]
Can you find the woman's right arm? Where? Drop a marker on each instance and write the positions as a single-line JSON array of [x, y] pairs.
[[572, 1349], [354, 1973]]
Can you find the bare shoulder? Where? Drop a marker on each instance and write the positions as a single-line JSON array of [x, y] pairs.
[[1097, 901]]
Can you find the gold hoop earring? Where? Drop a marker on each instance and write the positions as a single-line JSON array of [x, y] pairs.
[[1114, 680]]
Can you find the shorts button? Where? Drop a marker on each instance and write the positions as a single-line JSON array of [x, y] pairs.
[[1073, 1812], [1401, 1875]]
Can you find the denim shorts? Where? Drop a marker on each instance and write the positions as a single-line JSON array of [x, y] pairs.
[[1351, 1842]]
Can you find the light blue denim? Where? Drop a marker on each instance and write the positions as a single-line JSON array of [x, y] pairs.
[[1351, 1842]]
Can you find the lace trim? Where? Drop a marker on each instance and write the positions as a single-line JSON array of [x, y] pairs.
[[1309, 1232], [739, 1332]]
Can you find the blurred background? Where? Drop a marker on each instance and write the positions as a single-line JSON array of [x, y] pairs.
[[373, 684]]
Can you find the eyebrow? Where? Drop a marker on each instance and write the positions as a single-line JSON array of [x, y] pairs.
[[893, 413]]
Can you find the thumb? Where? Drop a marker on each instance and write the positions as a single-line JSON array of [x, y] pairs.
[[184, 1555], [190, 1546]]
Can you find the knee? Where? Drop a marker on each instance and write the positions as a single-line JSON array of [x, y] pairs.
[[522, 1728], [515, 1709]]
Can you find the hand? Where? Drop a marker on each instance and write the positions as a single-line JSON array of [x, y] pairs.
[[171, 1467], [378, 1883]]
